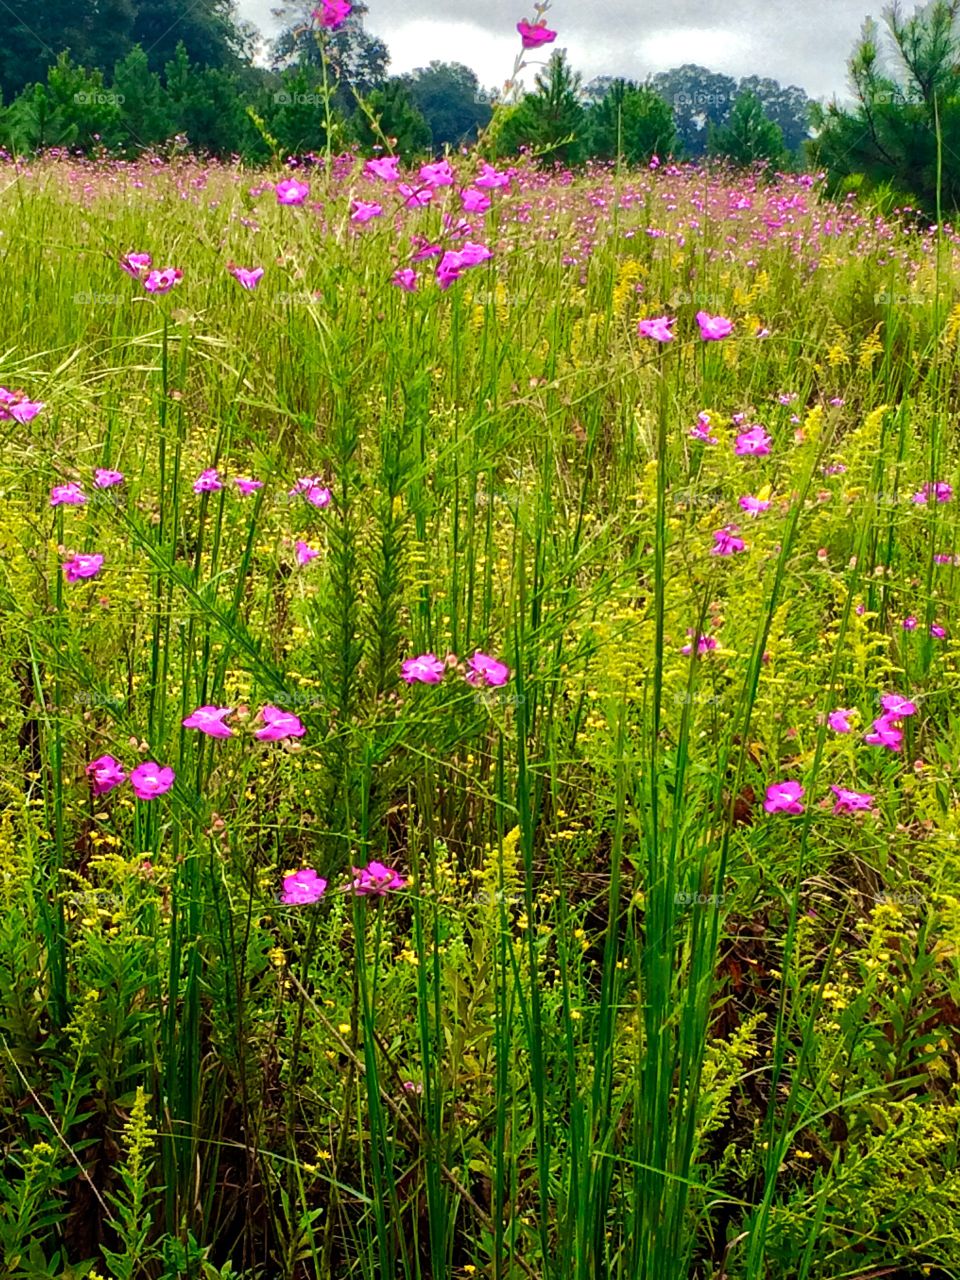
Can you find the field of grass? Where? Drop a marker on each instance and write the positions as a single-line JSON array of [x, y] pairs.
[[621, 1004]]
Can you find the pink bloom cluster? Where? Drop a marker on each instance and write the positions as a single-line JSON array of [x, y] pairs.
[[304, 887], [15, 407], [148, 780], [481, 669], [276, 726]]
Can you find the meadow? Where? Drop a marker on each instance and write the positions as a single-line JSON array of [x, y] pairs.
[[478, 725]]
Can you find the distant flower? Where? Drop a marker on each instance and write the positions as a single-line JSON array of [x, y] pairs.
[[839, 720], [150, 779], [787, 397], [249, 279], [83, 566], [106, 479], [784, 797], [424, 249], [851, 801], [726, 543], [246, 486], [279, 724], [384, 168], [702, 430], [305, 554], [332, 13], [532, 35], [487, 670], [704, 645], [713, 328], [490, 179], [209, 720], [406, 278], [415, 197], [885, 734], [427, 669], [208, 481], [909, 624], [752, 443], [657, 328], [290, 191], [364, 210], [439, 174], [301, 888], [942, 558], [834, 469], [163, 281], [375, 879], [654, 162], [938, 632], [836, 401], [313, 490], [136, 264], [753, 506], [105, 773], [895, 706], [474, 200], [67, 495], [940, 492]]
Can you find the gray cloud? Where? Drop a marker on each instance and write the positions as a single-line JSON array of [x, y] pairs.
[[805, 42]]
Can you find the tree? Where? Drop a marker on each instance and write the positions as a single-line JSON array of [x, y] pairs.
[[748, 137], [788, 107], [632, 121], [358, 61], [398, 119], [72, 109], [448, 96], [147, 114], [888, 138], [208, 108], [208, 30], [552, 119], [96, 32], [296, 117], [699, 98]]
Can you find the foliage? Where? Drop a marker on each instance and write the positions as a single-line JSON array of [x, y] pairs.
[[630, 121], [748, 137], [551, 120], [448, 96]]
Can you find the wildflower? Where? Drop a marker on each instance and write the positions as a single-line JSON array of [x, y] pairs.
[[163, 281], [713, 328], [411, 1086], [487, 670], [364, 210], [851, 801], [105, 773], [753, 443], [67, 495], [439, 174], [415, 197], [427, 669], [533, 35], [209, 720], [15, 407], [753, 506], [726, 543], [910, 623], [453, 262], [938, 632], [290, 191], [943, 558], [83, 566], [425, 249], [784, 797], [654, 162], [885, 734], [249, 279], [787, 397], [490, 179], [896, 706], [376, 879], [834, 469], [704, 645], [150, 779], [305, 554], [940, 492], [839, 720], [313, 490], [279, 724], [657, 328], [384, 168], [246, 486], [103, 478], [475, 201], [406, 278], [208, 481], [135, 264], [702, 430], [301, 888], [332, 13]]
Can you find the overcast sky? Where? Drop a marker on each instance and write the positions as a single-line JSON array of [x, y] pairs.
[[805, 42]]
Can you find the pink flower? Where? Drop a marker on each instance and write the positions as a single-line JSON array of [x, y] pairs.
[[851, 801], [290, 191], [425, 249], [149, 780], [940, 491], [376, 879], [249, 279], [15, 407], [246, 486], [938, 632], [490, 178], [313, 490], [301, 888], [406, 279], [163, 281], [704, 645], [725, 543], [909, 624], [896, 706], [713, 328], [106, 479], [305, 554], [82, 567], [105, 773], [279, 724], [753, 506], [208, 481], [427, 669], [487, 670], [332, 13], [136, 264], [532, 35], [67, 495], [384, 168], [752, 443], [654, 162], [437, 175], [657, 328], [364, 210], [414, 197], [474, 200], [472, 254], [784, 797], [839, 720], [942, 558], [788, 397], [885, 734], [209, 720], [702, 430]]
